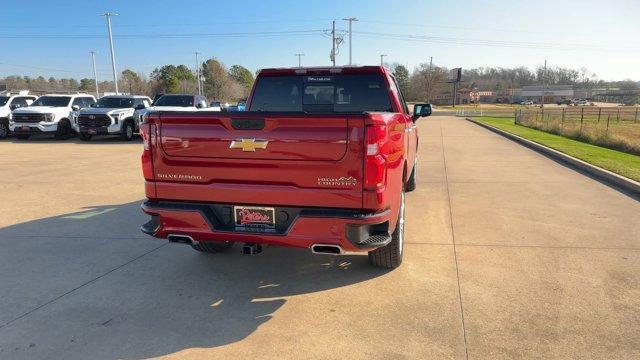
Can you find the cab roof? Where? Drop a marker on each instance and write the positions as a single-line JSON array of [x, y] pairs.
[[67, 95], [324, 70]]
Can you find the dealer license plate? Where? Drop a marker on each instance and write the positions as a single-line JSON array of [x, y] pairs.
[[254, 218]]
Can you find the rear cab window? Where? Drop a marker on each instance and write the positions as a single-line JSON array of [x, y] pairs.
[[344, 93]]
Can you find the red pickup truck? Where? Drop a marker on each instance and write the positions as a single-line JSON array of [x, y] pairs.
[[321, 160]]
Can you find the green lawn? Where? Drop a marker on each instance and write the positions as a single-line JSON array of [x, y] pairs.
[[618, 162]]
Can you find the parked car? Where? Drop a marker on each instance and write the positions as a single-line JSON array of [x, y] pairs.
[[112, 115], [8, 103], [321, 160], [564, 102], [583, 102], [178, 102], [49, 114], [216, 105], [526, 102]]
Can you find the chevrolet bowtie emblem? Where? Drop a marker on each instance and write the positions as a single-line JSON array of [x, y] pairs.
[[248, 144]]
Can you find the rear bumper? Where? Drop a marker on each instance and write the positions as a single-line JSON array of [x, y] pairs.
[[352, 230]]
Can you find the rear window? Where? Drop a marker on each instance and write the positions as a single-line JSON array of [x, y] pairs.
[[175, 100], [322, 94]]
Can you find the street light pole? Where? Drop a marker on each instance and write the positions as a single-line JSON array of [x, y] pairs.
[[382, 59], [350, 20], [95, 73], [299, 59], [198, 73], [113, 55]]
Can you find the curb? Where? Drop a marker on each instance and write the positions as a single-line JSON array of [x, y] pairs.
[[614, 180]]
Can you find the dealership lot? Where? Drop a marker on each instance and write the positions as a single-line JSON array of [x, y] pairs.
[[508, 254]]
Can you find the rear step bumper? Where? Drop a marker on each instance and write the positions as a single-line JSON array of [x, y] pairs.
[[352, 230]]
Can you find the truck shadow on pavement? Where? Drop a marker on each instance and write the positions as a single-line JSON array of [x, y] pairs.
[[90, 285]]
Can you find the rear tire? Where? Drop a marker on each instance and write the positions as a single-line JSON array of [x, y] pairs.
[[390, 256], [84, 137], [412, 182], [64, 130], [212, 247], [127, 131], [4, 129], [22, 136]]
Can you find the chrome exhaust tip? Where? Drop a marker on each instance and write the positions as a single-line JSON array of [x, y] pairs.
[[326, 249], [177, 238]]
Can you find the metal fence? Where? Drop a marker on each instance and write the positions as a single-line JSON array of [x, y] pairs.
[[613, 127], [507, 113]]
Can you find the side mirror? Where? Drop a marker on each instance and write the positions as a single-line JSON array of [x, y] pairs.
[[199, 105], [14, 106], [93, 105], [75, 107], [420, 110], [139, 107]]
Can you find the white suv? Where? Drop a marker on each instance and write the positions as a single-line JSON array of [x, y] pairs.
[[8, 103], [50, 114], [112, 115]]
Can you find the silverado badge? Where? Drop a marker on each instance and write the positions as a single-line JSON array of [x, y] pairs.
[[248, 145]]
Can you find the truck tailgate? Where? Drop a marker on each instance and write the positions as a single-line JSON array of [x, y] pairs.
[[260, 158]]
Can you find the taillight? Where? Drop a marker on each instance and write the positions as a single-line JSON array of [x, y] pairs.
[[148, 133], [375, 166]]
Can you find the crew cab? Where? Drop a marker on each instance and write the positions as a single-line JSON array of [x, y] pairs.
[[8, 103], [49, 114], [179, 102], [112, 115], [321, 159]]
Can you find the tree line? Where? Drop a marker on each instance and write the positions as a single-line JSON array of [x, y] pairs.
[[234, 83], [426, 80], [218, 82]]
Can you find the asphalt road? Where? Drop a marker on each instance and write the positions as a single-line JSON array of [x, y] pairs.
[[508, 255]]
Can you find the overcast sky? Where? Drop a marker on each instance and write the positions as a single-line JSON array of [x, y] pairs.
[[53, 38]]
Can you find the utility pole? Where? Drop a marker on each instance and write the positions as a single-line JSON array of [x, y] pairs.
[[113, 55], [95, 73], [430, 78], [350, 20], [382, 59], [300, 55], [198, 73], [544, 77], [333, 43]]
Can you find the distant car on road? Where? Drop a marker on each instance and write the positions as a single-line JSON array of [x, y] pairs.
[[50, 114], [583, 102], [112, 115], [564, 102], [526, 102], [8, 103]]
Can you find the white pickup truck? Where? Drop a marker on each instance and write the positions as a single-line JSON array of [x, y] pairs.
[[180, 102], [8, 103], [49, 114], [112, 115]]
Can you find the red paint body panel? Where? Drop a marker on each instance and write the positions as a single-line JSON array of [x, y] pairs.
[[310, 161]]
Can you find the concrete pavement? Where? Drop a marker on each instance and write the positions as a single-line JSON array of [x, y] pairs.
[[508, 255]]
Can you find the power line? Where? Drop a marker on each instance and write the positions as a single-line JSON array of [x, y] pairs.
[[481, 42], [49, 69], [163, 36]]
